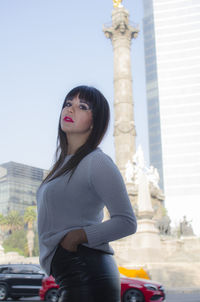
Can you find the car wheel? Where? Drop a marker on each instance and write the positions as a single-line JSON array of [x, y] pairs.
[[3, 292], [51, 295], [133, 295]]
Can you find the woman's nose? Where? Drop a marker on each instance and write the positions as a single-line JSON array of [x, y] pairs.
[[70, 109]]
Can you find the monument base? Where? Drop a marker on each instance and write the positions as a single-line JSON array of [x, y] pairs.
[[176, 264], [175, 275], [147, 236]]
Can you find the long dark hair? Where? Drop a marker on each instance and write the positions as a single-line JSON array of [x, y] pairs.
[[101, 116]]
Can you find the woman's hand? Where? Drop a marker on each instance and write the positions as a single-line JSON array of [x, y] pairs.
[[71, 241]]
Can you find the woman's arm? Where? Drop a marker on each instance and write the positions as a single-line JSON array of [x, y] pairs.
[[106, 180]]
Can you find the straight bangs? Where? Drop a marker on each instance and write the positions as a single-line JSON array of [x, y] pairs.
[[86, 93]]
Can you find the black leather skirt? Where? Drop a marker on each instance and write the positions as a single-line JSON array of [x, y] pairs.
[[87, 275]]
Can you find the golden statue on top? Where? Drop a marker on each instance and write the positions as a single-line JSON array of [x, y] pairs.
[[117, 3]]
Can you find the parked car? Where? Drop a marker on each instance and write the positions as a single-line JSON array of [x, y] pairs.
[[132, 290], [141, 290], [20, 280]]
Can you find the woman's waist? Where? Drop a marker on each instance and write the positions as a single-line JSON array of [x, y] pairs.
[[86, 249]]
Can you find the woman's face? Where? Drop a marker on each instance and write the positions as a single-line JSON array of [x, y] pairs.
[[76, 117]]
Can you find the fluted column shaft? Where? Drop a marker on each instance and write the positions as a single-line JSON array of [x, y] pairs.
[[121, 34]]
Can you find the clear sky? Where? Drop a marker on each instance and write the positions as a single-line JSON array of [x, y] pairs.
[[47, 48]]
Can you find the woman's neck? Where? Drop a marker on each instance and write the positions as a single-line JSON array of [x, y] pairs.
[[74, 143]]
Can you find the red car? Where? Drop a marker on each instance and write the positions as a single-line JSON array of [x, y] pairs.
[[132, 290]]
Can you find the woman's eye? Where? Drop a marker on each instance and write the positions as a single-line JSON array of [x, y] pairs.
[[68, 104], [84, 107]]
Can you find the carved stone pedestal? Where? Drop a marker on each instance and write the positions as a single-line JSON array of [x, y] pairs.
[[146, 244]]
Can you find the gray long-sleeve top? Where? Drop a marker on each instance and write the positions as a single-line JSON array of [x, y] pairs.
[[64, 206]]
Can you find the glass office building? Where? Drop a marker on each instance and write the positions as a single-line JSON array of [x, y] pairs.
[[152, 91], [18, 186], [172, 57]]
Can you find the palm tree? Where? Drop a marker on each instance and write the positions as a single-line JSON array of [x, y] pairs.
[[13, 221], [29, 218]]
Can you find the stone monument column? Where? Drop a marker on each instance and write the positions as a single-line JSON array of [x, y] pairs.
[[121, 34]]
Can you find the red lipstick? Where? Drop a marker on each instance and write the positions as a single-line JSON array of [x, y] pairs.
[[68, 119]]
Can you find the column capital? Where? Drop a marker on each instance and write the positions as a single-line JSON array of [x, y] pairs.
[[120, 25]]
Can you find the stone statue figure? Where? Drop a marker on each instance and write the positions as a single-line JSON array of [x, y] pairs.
[[129, 171], [138, 164], [117, 3], [164, 225], [153, 176], [186, 228], [144, 195], [138, 158]]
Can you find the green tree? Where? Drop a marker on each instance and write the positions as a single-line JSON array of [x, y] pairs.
[[13, 221], [3, 222], [19, 238], [16, 242]]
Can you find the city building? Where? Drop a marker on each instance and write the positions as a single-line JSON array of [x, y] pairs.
[[18, 186], [172, 58]]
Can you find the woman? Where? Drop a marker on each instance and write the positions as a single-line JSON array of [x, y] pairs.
[[73, 240]]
